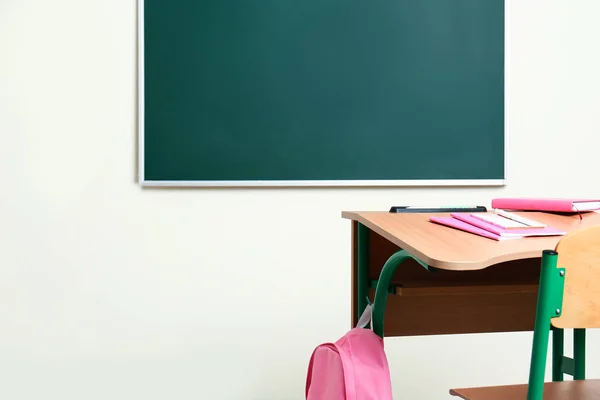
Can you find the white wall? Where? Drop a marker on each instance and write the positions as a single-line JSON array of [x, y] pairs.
[[104, 287]]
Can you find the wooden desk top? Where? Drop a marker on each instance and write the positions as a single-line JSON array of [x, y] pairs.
[[451, 249]]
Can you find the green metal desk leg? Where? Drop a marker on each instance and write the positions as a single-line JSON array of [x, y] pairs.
[[363, 268], [579, 354], [541, 332], [558, 351], [383, 284]]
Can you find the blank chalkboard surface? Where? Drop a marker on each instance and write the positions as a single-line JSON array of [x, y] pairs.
[[321, 92]]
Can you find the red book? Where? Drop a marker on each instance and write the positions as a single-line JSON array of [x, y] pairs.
[[546, 204]]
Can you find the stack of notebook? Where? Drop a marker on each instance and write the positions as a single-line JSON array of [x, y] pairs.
[[500, 226]]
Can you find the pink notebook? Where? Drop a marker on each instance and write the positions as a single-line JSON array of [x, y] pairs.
[[463, 226], [507, 233], [550, 205]]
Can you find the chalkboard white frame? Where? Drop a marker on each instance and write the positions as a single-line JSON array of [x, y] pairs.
[[321, 183]]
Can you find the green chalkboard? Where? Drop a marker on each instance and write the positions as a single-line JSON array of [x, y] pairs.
[[321, 91]]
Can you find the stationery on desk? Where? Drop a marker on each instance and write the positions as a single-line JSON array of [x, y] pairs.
[[500, 226]]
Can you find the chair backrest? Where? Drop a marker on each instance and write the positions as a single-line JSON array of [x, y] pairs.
[[579, 254]]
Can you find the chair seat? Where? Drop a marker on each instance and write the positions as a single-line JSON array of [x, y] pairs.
[[567, 390]]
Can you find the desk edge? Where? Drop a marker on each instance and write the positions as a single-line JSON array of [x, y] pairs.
[[436, 263]]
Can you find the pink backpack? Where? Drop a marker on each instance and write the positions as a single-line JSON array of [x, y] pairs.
[[353, 368]]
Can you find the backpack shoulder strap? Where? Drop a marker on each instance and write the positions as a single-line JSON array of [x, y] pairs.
[[366, 318]]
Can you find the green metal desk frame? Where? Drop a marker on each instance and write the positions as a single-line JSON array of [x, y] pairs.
[[550, 296]]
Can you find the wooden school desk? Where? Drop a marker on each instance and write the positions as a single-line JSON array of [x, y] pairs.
[[471, 284]]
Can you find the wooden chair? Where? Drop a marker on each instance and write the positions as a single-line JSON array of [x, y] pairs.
[[568, 298]]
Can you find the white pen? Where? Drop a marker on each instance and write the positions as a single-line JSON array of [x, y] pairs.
[[518, 218]]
